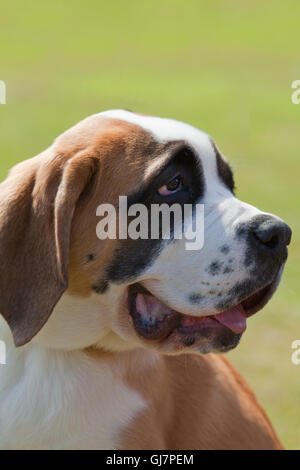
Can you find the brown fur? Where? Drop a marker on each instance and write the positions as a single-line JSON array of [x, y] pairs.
[[42, 210], [194, 402]]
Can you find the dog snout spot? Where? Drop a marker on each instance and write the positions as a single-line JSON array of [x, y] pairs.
[[272, 234]]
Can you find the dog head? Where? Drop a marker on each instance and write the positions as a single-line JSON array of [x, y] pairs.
[[123, 292]]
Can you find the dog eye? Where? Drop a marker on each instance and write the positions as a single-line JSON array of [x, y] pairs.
[[174, 186]]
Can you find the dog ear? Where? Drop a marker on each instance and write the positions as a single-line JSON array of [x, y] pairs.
[[38, 201]]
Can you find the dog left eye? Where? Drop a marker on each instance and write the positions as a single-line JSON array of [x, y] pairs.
[[174, 186]]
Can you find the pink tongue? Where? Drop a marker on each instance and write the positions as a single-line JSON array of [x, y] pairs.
[[234, 319]]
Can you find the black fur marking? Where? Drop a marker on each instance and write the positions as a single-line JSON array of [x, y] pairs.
[[132, 257], [222, 343], [225, 249], [224, 170], [238, 292], [214, 268], [228, 270], [101, 287], [244, 289], [89, 258], [196, 298]]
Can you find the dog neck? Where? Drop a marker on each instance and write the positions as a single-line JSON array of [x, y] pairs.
[[76, 323]]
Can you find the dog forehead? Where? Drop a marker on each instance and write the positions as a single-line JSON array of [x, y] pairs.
[[164, 130]]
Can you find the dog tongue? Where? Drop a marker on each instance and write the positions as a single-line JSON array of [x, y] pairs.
[[234, 319]]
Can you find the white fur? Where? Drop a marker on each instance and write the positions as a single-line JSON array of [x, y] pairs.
[[87, 315], [51, 399]]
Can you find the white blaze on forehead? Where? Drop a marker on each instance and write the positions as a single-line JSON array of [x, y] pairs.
[[165, 130]]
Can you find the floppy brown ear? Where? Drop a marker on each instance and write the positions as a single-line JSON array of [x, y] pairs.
[[38, 201]]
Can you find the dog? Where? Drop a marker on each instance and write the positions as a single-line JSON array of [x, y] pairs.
[[114, 344]]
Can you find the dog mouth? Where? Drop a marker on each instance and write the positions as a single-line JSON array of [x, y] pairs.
[[156, 321]]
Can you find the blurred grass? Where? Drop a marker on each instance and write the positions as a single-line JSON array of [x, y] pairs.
[[224, 66]]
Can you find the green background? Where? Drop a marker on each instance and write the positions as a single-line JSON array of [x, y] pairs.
[[224, 66]]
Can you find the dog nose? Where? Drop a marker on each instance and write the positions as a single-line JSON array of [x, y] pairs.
[[273, 234]]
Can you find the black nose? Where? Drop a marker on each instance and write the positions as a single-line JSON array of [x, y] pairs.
[[273, 234]]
